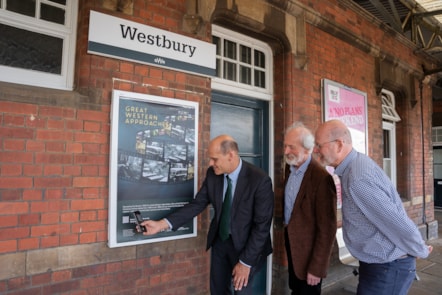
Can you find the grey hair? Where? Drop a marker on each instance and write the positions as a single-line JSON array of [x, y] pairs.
[[307, 138]]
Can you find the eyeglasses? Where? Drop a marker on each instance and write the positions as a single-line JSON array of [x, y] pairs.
[[321, 145]]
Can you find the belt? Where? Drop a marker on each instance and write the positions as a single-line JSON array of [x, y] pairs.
[[399, 258]]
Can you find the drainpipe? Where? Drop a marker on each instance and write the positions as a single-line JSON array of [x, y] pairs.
[[424, 206]]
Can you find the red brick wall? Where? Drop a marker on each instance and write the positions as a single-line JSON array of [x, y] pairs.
[[54, 167], [54, 151], [41, 157], [53, 192]]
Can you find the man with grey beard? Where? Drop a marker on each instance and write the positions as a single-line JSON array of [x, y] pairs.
[[309, 213]]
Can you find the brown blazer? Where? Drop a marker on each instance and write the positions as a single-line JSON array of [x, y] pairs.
[[312, 226]]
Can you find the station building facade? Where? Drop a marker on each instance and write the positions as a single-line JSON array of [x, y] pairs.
[[271, 61]]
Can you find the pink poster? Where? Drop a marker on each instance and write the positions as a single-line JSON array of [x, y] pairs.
[[350, 106]]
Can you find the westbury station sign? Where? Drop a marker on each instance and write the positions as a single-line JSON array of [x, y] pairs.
[[119, 38]]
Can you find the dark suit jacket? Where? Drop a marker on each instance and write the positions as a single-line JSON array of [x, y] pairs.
[[251, 213], [312, 226]]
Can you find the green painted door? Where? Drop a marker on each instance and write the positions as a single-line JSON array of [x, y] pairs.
[[247, 121]]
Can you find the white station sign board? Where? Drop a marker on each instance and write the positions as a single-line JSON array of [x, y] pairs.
[[128, 40]]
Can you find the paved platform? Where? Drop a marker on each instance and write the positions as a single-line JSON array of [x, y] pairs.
[[429, 272]]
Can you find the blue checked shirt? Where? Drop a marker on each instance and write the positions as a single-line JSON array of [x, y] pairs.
[[376, 227], [292, 188]]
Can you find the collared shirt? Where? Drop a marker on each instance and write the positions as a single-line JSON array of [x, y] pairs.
[[292, 187], [233, 178], [376, 227]]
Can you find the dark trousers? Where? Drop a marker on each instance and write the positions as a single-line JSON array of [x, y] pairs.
[[224, 258], [392, 278], [298, 286]]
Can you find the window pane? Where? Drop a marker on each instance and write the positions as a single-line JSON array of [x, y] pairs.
[[62, 2], [229, 71], [26, 7], [218, 68], [230, 49], [387, 167], [246, 54], [260, 59], [29, 50], [437, 171], [52, 14], [217, 42], [260, 79], [246, 75], [241, 62], [386, 144], [437, 158]]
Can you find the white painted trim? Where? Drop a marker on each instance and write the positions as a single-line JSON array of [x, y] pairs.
[[389, 108], [391, 127], [435, 131], [272, 176], [239, 88], [67, 32]]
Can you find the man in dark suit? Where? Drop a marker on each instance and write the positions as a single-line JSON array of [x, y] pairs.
[[309, 213], [243, 251]]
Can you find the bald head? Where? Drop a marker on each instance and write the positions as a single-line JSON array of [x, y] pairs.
[[223, 154], [225, 143], [335, 129], [333, 142]]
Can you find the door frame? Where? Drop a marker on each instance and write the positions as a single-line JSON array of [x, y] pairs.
[[236, 89], [269, 150]]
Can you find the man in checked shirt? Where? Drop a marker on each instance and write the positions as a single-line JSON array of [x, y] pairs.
[[376, 228]]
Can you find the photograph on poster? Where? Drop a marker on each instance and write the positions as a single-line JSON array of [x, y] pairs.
[[152, 160]]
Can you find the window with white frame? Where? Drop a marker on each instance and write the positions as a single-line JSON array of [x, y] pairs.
[[242, 63], [436, 135], [37, 42], [389, 119]]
